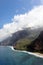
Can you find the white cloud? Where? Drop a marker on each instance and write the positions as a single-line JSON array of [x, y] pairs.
[[32, 18]]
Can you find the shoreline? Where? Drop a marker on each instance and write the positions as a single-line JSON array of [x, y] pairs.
[[35, 54]]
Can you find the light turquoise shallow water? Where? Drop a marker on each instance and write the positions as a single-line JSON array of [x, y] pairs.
[[10, 57]]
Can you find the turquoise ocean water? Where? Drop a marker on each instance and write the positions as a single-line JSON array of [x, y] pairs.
[[10, 57]]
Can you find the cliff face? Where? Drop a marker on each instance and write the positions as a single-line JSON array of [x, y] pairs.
[[15, 37], [27, 33], [37, 44]]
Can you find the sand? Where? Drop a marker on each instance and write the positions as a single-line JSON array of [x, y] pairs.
[[35, 54]]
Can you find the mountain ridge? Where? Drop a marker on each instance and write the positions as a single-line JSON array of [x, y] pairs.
[[27, 33]]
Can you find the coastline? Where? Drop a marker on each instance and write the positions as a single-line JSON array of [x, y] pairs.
[[11, 47], [31, 53]]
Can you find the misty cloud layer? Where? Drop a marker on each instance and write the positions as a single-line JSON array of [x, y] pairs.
[[33, 19]]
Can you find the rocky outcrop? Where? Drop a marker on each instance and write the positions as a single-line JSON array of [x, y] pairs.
[[37, 44]]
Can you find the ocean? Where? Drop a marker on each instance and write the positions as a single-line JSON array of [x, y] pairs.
[[13, 57]]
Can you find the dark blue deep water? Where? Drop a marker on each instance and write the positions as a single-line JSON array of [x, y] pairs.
[[10, 57]]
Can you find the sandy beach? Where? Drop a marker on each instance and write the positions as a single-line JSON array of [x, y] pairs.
[[35, 54]]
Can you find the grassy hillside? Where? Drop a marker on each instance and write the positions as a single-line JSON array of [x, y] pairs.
[[22, 44]]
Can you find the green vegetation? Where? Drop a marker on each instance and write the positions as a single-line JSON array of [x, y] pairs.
[[31, 44], [22, 44]]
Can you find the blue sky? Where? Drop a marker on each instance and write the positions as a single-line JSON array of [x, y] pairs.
[[16, 15], [10, 8]]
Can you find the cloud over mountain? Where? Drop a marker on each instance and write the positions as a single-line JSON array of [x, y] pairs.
[[33, 18]]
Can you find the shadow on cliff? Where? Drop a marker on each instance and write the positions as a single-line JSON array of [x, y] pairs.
[[37, 44]]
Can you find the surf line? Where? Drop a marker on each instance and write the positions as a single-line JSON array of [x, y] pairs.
[[31, 53]]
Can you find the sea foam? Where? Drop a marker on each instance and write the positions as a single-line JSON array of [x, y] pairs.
[[31, 53]]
